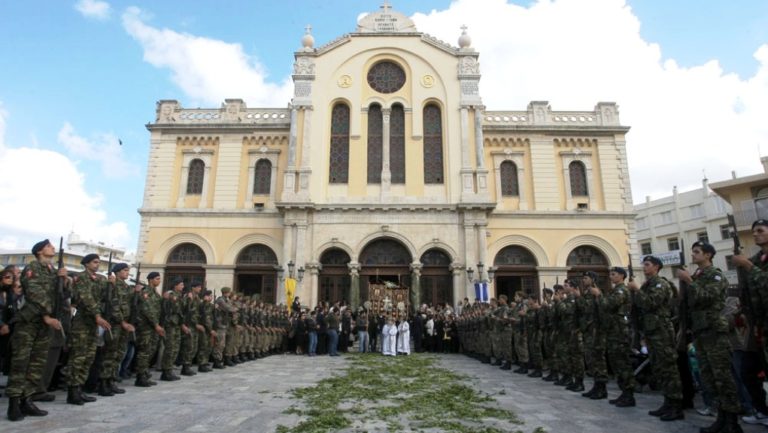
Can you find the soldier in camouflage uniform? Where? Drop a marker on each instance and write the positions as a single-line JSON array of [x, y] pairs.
[[230, 350], [653, 299], [548, 334], [570, 314], [615, 309], [173, 323], [191, 309], [204, 346], [520, 334], [594, 336], [494, 333], [706, 299], [148, 329], [223, 311], [86, 293], [560, 339], [533, 324], [117, 298], [31, 337], [505, 338]]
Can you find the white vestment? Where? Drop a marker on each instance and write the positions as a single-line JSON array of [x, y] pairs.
[[389, 339], [404, 338]]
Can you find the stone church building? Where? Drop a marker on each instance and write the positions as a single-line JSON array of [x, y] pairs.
[[385, 166]]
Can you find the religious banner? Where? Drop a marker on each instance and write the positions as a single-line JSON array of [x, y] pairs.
[[290, 290]]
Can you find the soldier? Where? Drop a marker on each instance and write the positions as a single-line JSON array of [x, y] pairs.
[[173, 323], [505, 339], [86, 293], [148, 330], [494, 332], [117, 301], [222, 313], [532, 320], [520, 334], [571, 313], [230, 350], [706, 299], [31, 338], [653, 300], [560, 339], [189, 339], [547, 323], [594, 336], [615, 308]]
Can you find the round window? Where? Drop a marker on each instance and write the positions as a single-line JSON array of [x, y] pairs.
[[386, 77]]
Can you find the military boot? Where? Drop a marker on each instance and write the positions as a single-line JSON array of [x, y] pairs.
[[717, 426], [674, 412], [28, 407], [142, 381], [204, 368], [551, 377], [564, 380], [497, 362], [73, 396], [485, 359], [522, 370], [627, 399], [535, 373], [84, 397], [228, 361], [589, 393], [600, 393], [732, 423], [218, 365], [105, 390], [506, 365], [114, 387], [167, 376], [661, 410], [577, 385], [14, 409], [186, 370]]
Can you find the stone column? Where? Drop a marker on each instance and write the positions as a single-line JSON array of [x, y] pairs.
[[354, 285], [415, 286], [289, 176], [386, 174], [482, 172], [467, 182], [218, 276], [183, 184], [459, 282], [288, 239], [314, 270], [247, 200], [305, 172]]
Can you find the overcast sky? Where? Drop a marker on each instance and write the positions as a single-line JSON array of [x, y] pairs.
[[690, 78]]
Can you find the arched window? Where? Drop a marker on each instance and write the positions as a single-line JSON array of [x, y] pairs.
[[262, 177], [578, 174], [508, 176], [375, 138], [433, 145], [397, 144], [339, 163], [195, 177], [257, 255], [186, 254]]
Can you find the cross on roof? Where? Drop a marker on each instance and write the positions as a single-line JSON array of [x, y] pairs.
[[308, 29], [386, 6], [464, 28]]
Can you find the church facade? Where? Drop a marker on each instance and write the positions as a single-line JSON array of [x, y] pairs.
[[385, 166]]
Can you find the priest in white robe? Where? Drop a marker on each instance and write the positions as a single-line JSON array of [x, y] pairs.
[[404, 337], [389, 338]]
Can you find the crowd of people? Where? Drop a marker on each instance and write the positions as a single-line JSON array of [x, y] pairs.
[[678, 340]]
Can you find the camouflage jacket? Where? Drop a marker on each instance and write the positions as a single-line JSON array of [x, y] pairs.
[[173, 315], [150, 306], [706, 300], [39, 283], [86, 295], [653, 300], [615, 307]]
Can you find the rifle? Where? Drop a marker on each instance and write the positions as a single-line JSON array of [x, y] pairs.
[[682, 308], [138, 274], [634, 312], [60, 290], [745, 298], [106, 299]]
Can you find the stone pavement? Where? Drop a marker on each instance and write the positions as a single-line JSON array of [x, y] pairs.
[[251, 397]]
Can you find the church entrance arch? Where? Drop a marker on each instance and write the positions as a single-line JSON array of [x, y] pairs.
[[256, 272], [588, 258], [334, 281], [516, 271], [186, 261], [436, 278], [384, 260]]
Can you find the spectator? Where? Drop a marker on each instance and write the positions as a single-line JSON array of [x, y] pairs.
[[361, 326]]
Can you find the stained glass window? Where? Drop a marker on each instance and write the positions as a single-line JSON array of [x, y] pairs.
[[262, 178], [335, 256], [514, 255], [397, 144], [339, 164], [187, 254], [433, 145], [257, 254], [386, 77], [375, 133], [435, 257], [508, 177], [385, 252], [578, 174], [195, 176], [586, 256]]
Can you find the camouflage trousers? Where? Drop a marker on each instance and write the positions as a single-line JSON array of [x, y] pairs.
[[245, 340], [219, 345], [505, 342], [146, 346], [188, 346], [548, 348], [82, 349], [231, 343], [521, 346], [534, 349], [714, 354], [30, 341], [575, 355], [560, 361], [203, 347], [661, 346], [114, 351], [617, 342], [594, 345], [172, 345]]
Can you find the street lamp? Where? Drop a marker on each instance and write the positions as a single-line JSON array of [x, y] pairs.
[[292, 271], [470, 272]]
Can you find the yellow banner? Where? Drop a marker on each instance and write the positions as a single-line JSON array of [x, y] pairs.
[[290, 290]]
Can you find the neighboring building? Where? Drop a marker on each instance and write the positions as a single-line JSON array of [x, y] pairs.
[[748, 196], [385, 166], [666, 225]]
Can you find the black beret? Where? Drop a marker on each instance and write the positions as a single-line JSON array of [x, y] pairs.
[[590, 274], [207, 293], [176, 281], [119, 267], [196, 284], [705, 247], [89, 258], [39, 246], [619, 270], [760, 222], [152, 275], [655, 260]]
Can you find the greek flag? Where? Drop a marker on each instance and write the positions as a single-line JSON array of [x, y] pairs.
[[481, 292]]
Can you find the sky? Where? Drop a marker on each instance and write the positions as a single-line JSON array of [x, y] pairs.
[[80, 77]]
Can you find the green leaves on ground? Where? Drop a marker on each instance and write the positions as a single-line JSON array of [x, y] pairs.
[[405, 393]]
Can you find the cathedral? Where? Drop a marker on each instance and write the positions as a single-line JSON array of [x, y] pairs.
[[385, 167]]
